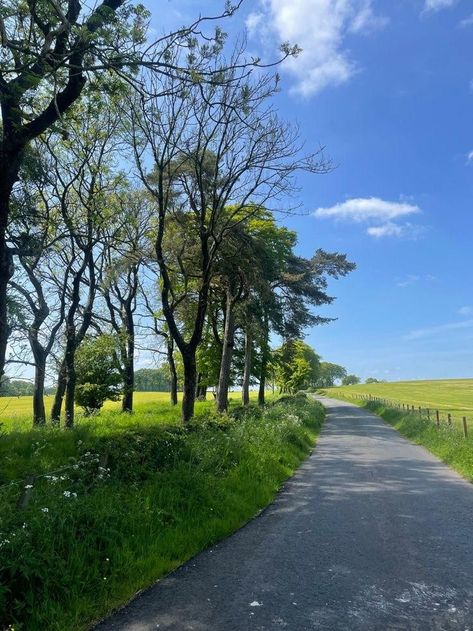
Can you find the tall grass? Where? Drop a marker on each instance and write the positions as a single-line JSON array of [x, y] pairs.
[[135, 503]]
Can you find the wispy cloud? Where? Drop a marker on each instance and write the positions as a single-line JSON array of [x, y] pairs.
[[432, 331], [319, 27], [466, 310], [381, 214], [469, 157], [466, 21], [413, 279], [437, 5]]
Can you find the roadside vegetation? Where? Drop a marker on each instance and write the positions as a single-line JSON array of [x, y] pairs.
[[449, 396], [445, 441], [134, 501]]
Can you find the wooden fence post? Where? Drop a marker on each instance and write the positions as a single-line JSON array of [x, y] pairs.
[[449, 419], [26, 493], [438, 418], [428, 414], [465, 427]]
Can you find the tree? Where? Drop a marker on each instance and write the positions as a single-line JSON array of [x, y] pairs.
[[97, 373], [297, 366], [40, 279], [83, 178], [49, 51], [152, 380], [124, 253], [373, 380], [350, 380], [329, 373], [213, 146]]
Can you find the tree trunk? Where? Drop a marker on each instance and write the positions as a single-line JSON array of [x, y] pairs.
[[6, 268], [70, 396], [190, 380], [59, 396], [172, 371], [39, 412], [247, 372], [262, 381], [129, 372], [70, 358], [227, 352]]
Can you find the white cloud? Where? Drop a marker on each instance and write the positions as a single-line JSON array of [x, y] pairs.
[[436, 5], [469, 157], [413, 279], [319, 27], [466, 21], [379, 213], [362, 209], [388, 230], [438, 330], [466, 311]]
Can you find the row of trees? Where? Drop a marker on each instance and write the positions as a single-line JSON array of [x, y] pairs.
[[141, 216]]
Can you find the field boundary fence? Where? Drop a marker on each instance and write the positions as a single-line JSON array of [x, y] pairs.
[[438, 417]]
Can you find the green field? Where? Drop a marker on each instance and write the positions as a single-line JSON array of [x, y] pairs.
[[454, 396], [16, 412]]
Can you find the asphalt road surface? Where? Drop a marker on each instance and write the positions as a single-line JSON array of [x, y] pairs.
[[372, 533]]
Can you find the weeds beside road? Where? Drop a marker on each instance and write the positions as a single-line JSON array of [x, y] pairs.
[[446, 441], [135, 504]]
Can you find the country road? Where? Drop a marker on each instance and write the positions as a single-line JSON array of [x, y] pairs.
[[372, 533]]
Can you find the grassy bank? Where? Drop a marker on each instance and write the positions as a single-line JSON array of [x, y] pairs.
[[447, 442], [449, 396], [134, 503]]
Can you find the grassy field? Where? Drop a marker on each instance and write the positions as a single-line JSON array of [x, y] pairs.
[[454, 396], [16, 412], [121, 500]]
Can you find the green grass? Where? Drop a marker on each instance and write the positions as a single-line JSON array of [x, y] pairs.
[[446, 442], [163, 494], [16, 412], [454, 396]]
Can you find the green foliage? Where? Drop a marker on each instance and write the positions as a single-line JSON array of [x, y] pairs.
[[350, 380], [98, 374], [15, 388], [297, 366], [95, 533], [329, 373], [152, 380]]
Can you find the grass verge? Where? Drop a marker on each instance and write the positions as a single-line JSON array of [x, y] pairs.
[[135, 504], [447, 442]]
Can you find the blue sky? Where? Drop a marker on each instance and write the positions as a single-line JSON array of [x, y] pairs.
[[387, 87]]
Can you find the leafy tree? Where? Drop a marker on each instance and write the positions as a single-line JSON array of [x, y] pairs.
[[329, 373], [350, 380], [15, 388], [372, 380], [213, 146], [297, 366], [152, 380], [97, 373]]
